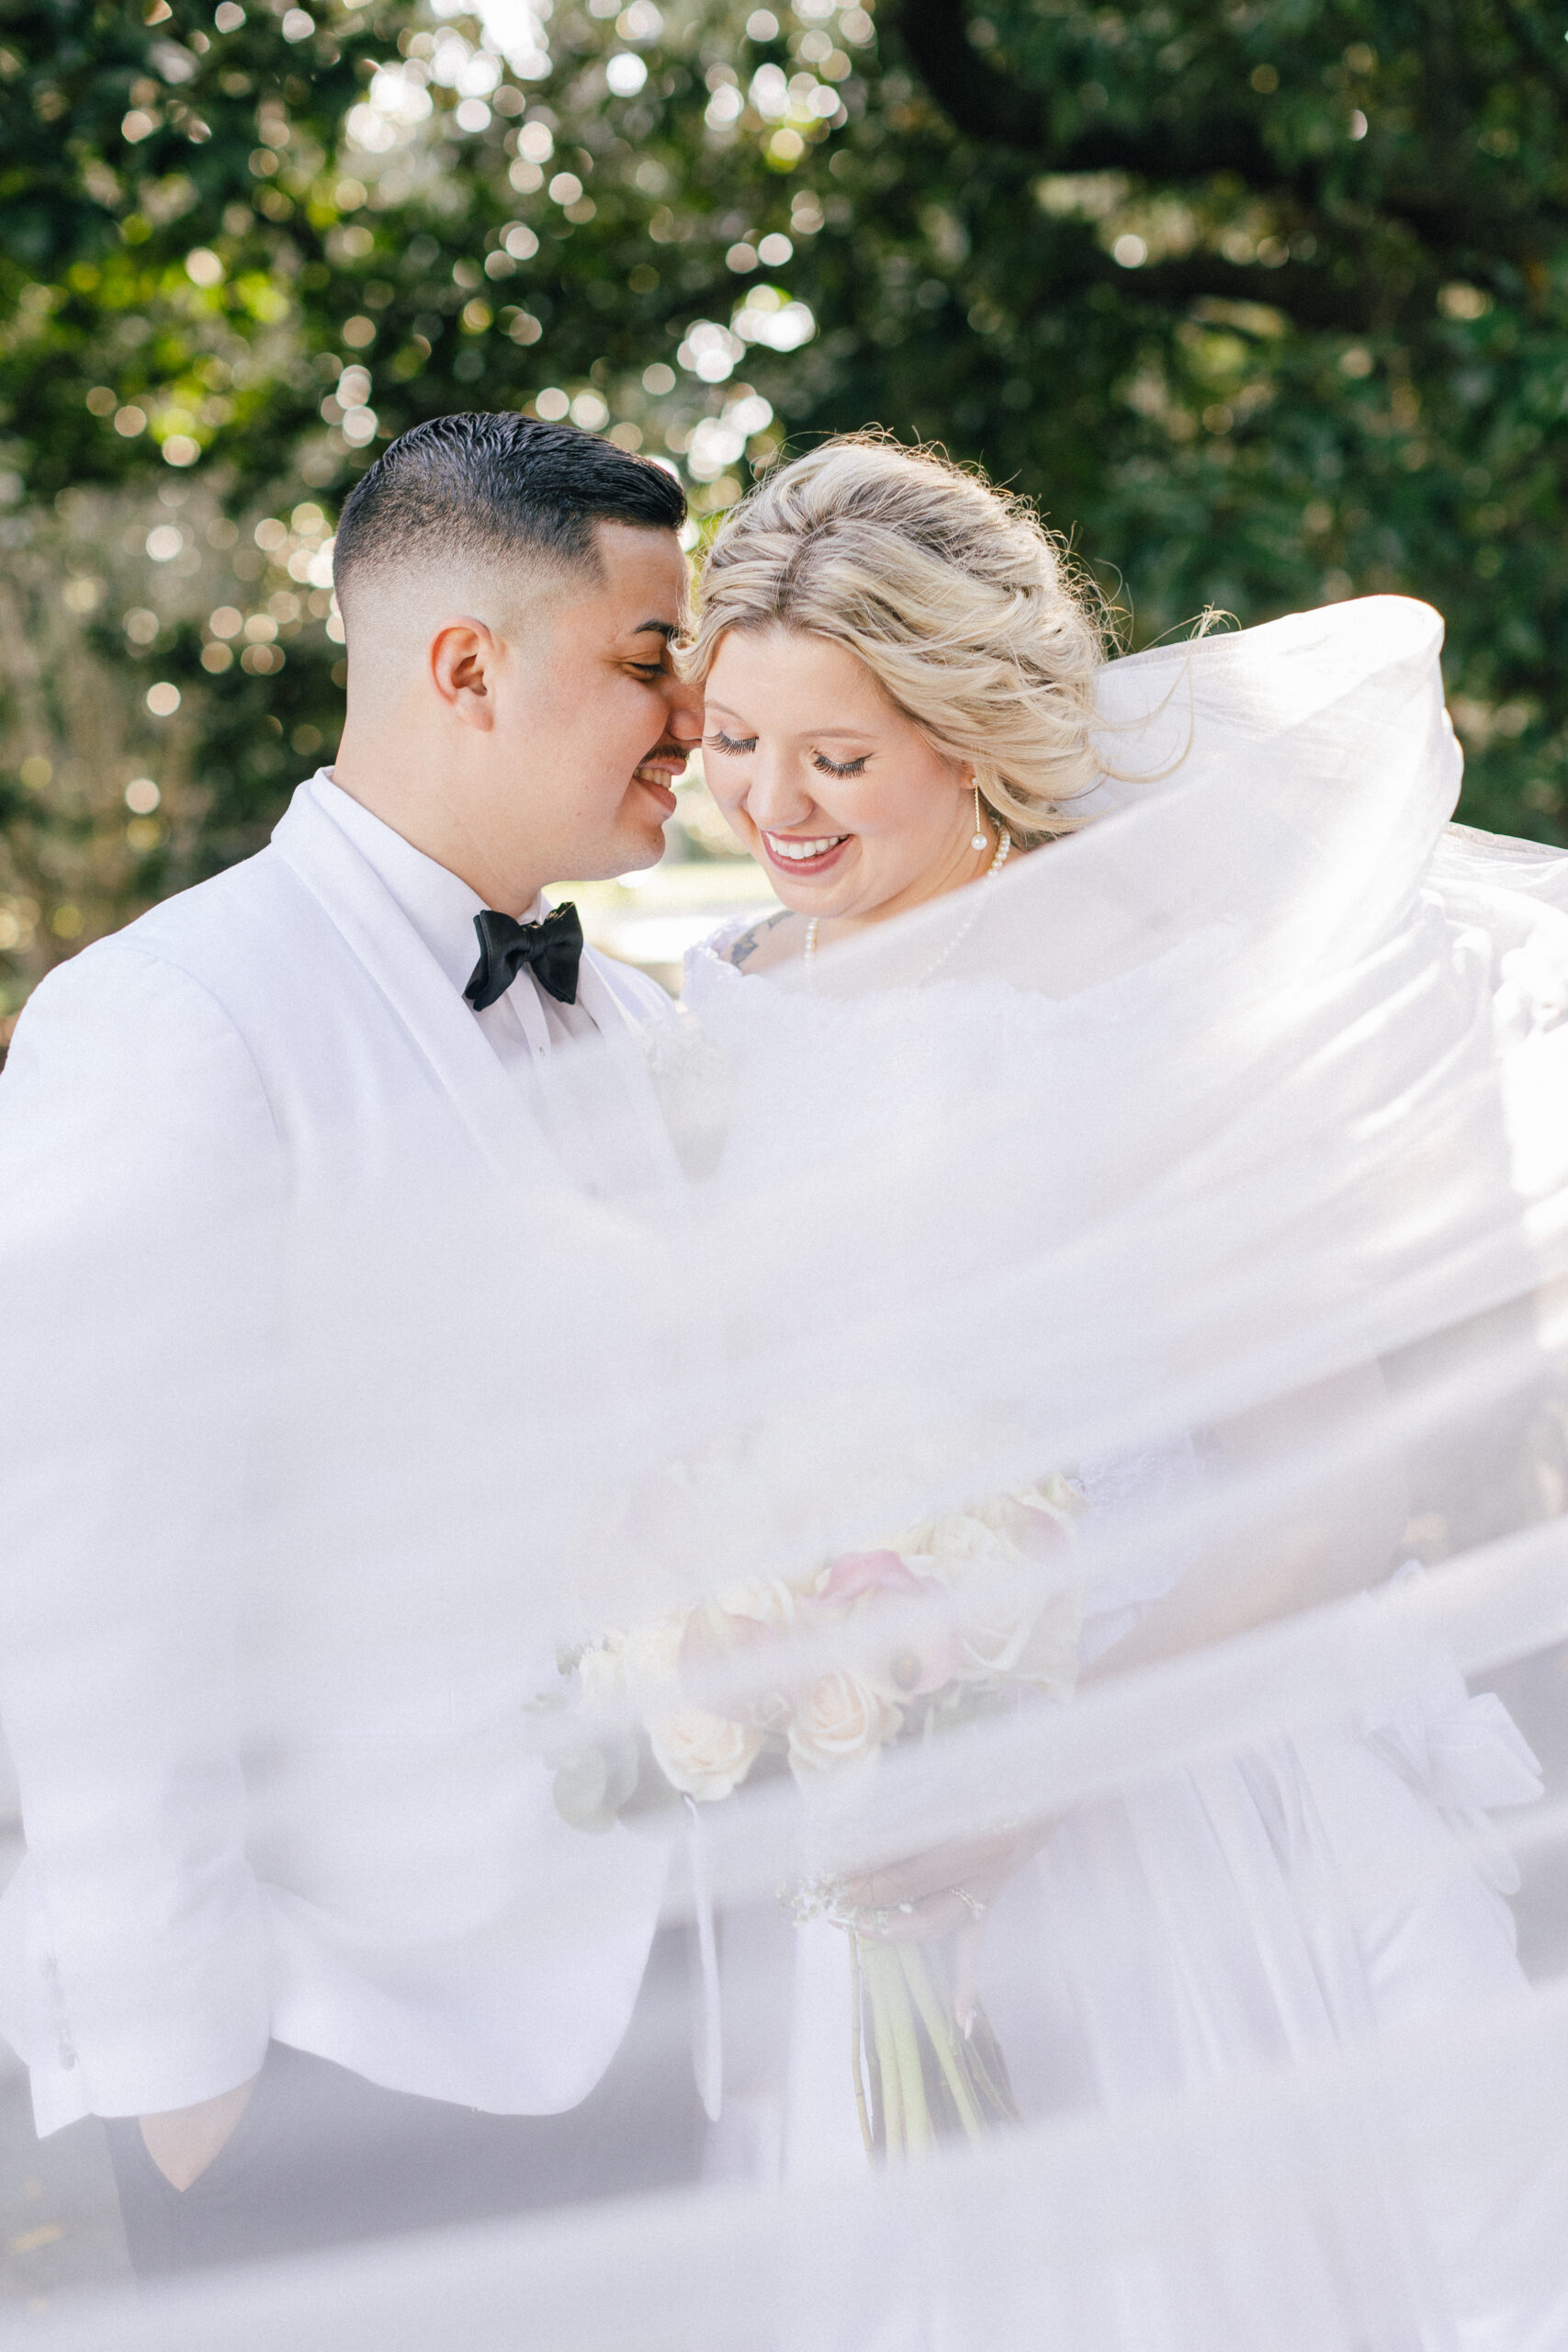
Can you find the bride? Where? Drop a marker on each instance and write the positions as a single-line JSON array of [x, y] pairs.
[[911, 723]]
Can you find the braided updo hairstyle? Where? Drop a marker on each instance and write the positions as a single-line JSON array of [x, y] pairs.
[[961, 605]]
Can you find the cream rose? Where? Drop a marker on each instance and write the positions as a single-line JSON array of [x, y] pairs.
[[766, 1601], [840, 1720], [993, 1531], [945, 1546], [651, 1653], [702, 1754], [991, 1652], [1040, 1650], [601, 1676], [1058, 1496], [956, 1551]]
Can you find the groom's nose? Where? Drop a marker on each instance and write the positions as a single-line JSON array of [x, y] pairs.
[[686, 719]]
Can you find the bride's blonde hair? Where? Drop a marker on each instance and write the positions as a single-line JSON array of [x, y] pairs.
[[963, 607]]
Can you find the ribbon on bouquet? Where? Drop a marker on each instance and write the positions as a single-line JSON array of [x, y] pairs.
[[707, 2025]]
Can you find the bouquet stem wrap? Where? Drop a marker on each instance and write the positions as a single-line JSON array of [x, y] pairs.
[[931, 2078]]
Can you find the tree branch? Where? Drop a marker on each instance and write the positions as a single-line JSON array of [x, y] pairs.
[[1446, 211], [986, 105]]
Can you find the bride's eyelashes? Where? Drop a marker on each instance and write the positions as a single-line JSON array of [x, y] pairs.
[[735, 746]]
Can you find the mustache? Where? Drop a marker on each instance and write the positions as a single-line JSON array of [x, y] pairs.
[[668, 750]]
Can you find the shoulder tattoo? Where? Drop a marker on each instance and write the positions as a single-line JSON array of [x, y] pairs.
[[749, 940]]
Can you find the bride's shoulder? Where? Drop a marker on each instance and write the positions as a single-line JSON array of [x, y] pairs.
[[757, 943]]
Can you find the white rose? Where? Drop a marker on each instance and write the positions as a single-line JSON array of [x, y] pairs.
[[767, 1601], [601, 1676], [991, 1652], [992, 1531], [702, 1754], [652, 1652], [840, 1720], [952, 1550], [1058, 1496], [1040, 1650]]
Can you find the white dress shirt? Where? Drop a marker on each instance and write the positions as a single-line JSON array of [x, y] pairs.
[[525, 1023]]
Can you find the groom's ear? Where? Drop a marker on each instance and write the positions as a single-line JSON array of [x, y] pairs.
[[464, 657]]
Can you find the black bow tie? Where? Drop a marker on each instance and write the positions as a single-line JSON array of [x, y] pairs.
[[553, 949]]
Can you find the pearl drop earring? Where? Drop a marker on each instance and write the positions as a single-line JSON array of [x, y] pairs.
[[978, 838]]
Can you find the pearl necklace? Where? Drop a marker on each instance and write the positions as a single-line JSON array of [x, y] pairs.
[[1004, 851]]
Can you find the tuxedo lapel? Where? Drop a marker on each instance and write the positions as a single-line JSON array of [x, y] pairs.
[[627, 1034], [605, 1007], [487, 1101]]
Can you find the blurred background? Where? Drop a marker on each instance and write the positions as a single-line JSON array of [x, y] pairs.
[[1266, 303]]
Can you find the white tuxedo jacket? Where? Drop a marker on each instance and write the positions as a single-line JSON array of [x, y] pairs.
[[264, 1642]]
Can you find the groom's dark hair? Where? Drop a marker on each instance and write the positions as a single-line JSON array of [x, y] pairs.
[[495, 484]]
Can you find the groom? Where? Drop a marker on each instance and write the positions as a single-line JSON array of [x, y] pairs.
[[297, 1916]]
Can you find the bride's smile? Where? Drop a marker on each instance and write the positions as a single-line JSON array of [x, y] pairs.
[[851, 808], [801, 855]]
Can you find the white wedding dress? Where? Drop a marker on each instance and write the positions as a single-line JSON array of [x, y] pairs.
[[1252, 1915]]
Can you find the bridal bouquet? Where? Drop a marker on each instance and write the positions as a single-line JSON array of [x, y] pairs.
[[644, 1729]]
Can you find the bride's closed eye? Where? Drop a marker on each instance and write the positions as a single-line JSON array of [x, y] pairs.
[[719, 741], [832, 767]]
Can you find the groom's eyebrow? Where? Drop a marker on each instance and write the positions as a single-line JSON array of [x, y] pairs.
[[668, 631]]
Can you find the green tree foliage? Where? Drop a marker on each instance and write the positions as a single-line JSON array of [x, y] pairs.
[[1271, 300], [1265, 303]]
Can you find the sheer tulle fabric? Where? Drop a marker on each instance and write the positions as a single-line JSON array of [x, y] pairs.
[[1222, 1169]]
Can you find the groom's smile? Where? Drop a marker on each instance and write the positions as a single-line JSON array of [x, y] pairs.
[[662, 771]]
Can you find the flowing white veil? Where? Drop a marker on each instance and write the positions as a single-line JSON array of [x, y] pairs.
[[1220, 1171]]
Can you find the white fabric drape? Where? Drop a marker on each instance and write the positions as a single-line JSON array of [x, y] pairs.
[[1224, 1166]]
